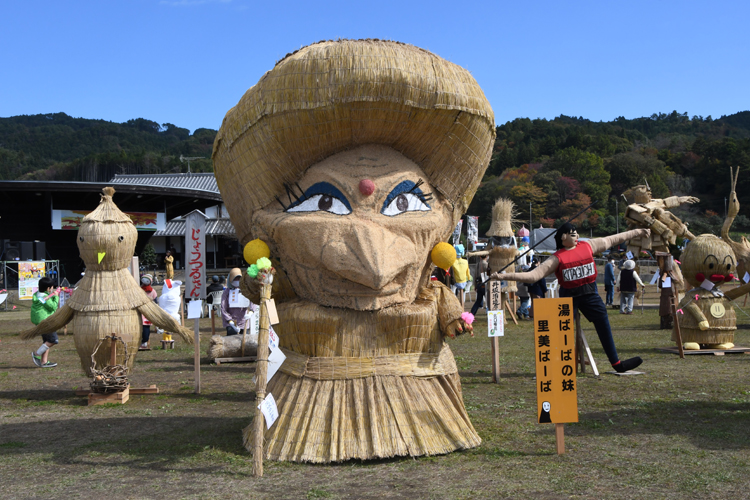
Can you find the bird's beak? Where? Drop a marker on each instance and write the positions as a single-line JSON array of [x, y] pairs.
[[101, 256]]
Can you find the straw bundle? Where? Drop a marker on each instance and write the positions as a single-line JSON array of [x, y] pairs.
[[504, 214], [108, 300], [231, 346], [367, 384], [331, 96]]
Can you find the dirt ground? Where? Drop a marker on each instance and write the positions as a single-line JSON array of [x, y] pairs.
[[682, 430]]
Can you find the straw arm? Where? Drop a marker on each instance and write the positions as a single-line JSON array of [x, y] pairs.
[[58, 320], [599, 245], [546, 268], [161, 319], [738, 292], [449, 311], [480, 253]]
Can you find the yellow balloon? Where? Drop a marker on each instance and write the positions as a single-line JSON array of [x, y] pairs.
[[443, 255], [255, 250]]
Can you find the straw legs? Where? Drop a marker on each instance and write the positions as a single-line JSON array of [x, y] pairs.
[[592, 307], [365, 418]]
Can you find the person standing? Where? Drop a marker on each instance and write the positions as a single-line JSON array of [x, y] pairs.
[[233, 318], [609, 281], [146, 282], [537, 290], [462, 276], [627, 282], [169, 265], [43, 305], [483, 270]]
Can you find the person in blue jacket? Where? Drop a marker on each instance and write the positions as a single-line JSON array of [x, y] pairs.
[[609, 281]]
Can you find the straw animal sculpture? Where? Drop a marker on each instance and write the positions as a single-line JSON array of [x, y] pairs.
[[108, 300], [709, 319], [741, 248], [351, 180]]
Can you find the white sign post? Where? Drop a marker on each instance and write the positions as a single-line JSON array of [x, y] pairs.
[[195, 276]]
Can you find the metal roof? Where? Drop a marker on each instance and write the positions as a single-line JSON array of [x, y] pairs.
[[199, 181], [214, 227]]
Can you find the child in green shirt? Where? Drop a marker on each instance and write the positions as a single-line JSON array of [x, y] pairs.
[[43, 305]]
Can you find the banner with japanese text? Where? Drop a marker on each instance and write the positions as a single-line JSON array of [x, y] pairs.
[[457, 232], [472, 230], [195, 255], [29, 274], [554, 341]]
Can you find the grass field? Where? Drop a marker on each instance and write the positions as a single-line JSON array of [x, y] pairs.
[[682, 430]]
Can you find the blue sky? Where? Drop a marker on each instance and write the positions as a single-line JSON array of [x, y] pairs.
[[187, 62]]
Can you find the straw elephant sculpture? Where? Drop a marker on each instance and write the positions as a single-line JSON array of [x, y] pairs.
[[351, 180], [108, 299]]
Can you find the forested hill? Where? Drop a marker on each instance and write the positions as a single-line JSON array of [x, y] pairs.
[[59, 147], [558, 166]]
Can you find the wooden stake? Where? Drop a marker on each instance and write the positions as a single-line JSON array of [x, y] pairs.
[[197, 355], [675, 322], [495, 348], [113, 351], [560, 438], [579, 342], [510, 311], [261, 372]]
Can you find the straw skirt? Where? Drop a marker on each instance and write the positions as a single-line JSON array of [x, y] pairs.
[[366, 384], [90, 327]]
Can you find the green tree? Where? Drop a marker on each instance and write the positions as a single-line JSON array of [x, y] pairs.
[[587, 168]]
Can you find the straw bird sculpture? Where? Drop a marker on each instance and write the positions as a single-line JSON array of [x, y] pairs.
[[709, 319], [351, 180], [108, 300], [741, 248]]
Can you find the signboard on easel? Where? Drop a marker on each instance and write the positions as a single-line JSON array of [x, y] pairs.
[[556, 384]]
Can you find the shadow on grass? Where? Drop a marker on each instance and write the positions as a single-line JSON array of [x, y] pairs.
[[709, 425], [148, 443]]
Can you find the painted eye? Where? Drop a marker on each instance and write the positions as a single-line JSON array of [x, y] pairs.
[[322, 197], [729, 266], [321, 203], [710, 265], [80, 238], [406, 197], [121, 238], [405, 202]]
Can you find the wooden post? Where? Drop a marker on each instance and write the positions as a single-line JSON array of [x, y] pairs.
[[675, 322], [213, 320], [580, 360], [113, 351], [560, 438], [261, 372], [197, 355], [506, 301], [495, 348]]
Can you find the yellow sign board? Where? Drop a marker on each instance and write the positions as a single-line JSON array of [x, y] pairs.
[[554, 340]]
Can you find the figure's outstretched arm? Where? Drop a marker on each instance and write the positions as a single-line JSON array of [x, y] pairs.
[[545, 268], [599, 245], [738, 292], [58, 320], [161, 319]]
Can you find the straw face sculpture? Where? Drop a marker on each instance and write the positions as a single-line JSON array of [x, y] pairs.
[[709, 318], [352, 178], [108, 300]]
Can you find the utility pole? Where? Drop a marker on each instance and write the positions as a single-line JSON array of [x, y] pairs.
[[188, 158], [531, 226]]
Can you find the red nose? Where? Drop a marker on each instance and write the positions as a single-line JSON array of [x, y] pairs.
[[366, 187]]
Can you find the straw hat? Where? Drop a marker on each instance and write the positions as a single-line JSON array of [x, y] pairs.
[[503, 214], [629, 265], [334, 95]]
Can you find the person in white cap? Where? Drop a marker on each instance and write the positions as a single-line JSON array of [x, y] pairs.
[[627, 284]]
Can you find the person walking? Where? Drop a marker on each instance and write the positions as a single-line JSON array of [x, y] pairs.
[[461, 275], [483, 270], [169, 265], [43, 305], [609, 281], [146, 282], [523, 296], [627, 283]]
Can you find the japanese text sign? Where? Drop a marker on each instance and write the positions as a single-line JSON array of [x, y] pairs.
[[554, 341], [494, 295], [495, 324], [195, 255]]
